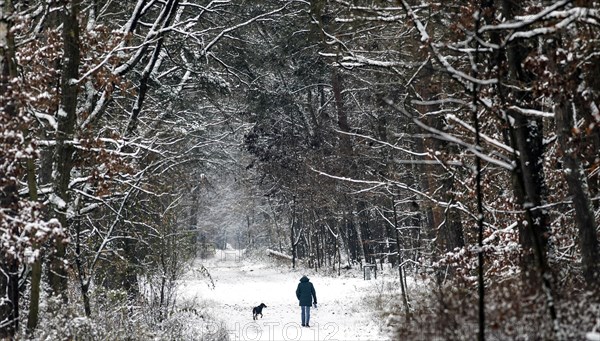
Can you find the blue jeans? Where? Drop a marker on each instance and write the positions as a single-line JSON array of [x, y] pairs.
[[305, 314]]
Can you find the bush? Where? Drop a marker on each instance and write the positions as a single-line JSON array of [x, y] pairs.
[[514, 311], [114, 317]]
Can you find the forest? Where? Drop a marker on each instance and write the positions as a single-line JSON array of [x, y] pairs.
[[453, 141]]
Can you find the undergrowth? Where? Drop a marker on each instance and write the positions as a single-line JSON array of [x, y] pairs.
[[115, 317], [514, 310]]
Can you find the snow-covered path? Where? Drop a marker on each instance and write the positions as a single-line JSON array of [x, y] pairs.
[[239, 286]]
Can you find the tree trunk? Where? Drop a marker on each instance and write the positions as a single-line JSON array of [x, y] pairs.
[[358, 222], [403, 289], [526, 137], [435, 228], [9, 294], [571, 147], [342, 117], [445, 225], [193, 222], [341, 245], [167, 16], [36, 267], [9, 196], [130, 278], [63, 158], [83, 281], [359, 241], [578, 188], [292, 233]]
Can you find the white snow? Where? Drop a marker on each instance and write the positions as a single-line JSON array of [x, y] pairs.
[[57, 201], [592, 336], [278, 254], [49, 118], [342, 313]]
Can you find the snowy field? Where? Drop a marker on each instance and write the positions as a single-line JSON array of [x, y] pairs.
[[240, 285]]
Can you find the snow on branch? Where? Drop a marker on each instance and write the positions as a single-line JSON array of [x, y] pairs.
[[457, 74], [488, 139], [551, 12], [525, 21], [472, 148], [531, 112], [354, 60], [277, 254], [376, 184], [452, 139], [382, 18], [542, 30], [418, 24], [394, 184], [235, 27], [407, 151]]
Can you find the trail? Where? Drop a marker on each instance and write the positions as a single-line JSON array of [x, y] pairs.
[[239, 286]]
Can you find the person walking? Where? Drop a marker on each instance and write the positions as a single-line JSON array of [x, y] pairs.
[[306, 294]]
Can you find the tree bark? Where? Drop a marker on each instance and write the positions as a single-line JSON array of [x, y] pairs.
[[403, 289], [36, 267], [168, 14], [573, 155], [526, 137], [292, 233], [83, 284], [358, 222], [9, 294], [9, 196], [443, 225], [63, 158], [345, 144], [578, 187], [359, 240]]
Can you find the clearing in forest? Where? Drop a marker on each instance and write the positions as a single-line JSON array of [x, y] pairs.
[[341, 314]]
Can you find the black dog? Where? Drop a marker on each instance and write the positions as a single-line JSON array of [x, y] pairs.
[[258, 310]]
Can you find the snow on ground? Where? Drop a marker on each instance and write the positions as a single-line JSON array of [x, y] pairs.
[[341, 312]]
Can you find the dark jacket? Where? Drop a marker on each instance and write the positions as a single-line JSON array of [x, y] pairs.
[[306, 292]]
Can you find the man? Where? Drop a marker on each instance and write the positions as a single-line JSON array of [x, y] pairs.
[[306, 294]]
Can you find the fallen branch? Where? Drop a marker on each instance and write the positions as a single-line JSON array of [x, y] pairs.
[[277, 254]]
